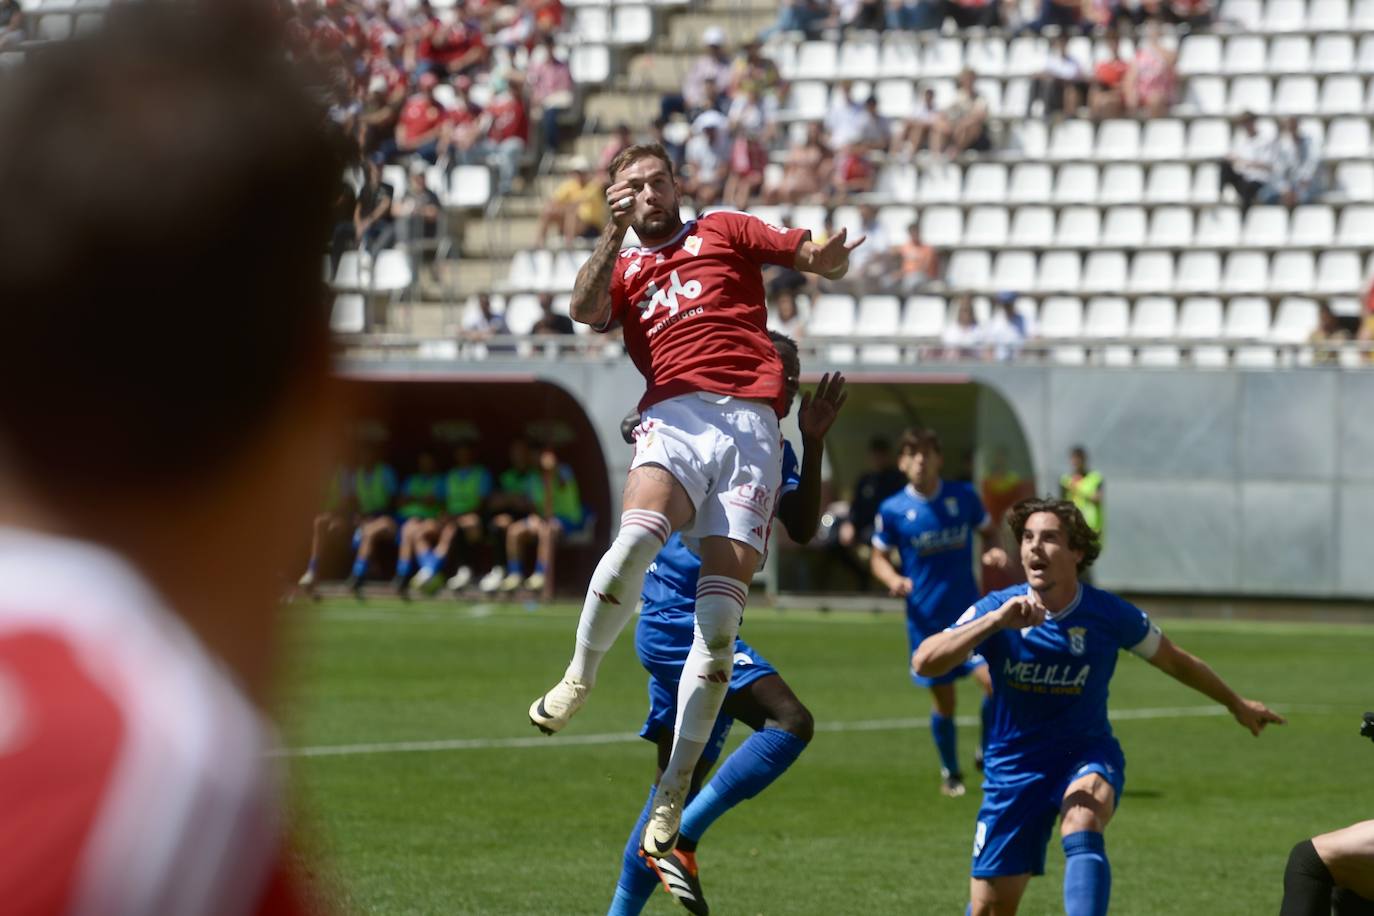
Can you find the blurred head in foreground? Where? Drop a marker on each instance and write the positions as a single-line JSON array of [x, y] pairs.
[[165, 428]]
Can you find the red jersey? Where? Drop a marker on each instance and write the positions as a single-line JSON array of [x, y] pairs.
[[508, 118], [133, 771], [419, 116], [693, 308]]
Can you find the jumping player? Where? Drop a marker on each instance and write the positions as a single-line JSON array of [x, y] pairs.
[[930, 524], [708, 457], [1052, 645], [757, 696]]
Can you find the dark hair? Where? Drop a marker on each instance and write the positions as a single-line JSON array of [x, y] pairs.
[[1079, 450], [879, 444], [1081, 537], [634, 153], [163, 231], [917, 438]]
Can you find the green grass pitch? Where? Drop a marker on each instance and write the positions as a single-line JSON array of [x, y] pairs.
[[857, 826]]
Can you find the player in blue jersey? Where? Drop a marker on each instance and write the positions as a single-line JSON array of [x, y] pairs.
[[758, 696], [1051, 645], [931, 524]]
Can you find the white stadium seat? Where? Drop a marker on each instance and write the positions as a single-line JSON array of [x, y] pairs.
[[1291, 272], [1030, 137], [391, 271], [469, 186], [879, 316], [1061, 316], [1014, 270], [942, 57], [1076, 183], [1247, 318], [1030, 226], [522, 312], [1071, 139], [1199, 54], [1207, 95], [349, 315], [1244, 54], [1357, 226], [1016, 97], [1079, 227], [1120, 139], [353, 270], [968, 269], [900, 58], [1168, 183], [1347, 137], [1246, 272], [1151, 272], [1197, 272], [1364, 58], [1296, 95], [1342, 95], [1206, 181], [1218, 227], [1104, 272], [1362, 15], [1154, 317], [1356, 179], [818, 60], [985, 181], [1265, 227], [1250, 93], [986, 227], [1294, 321], [1290, 54], [940, 184], [1025, 56], [1248, 14], [1338, 272], [1162, 139], [589, 63], [1199, 318], [1333, 54], [1059, 272], [924, 316], [1328, 16], [1208, 138], [1171, 227], [897, 181], [1312, 224], [1284, 15], [1124, 227], [987, 57], [1030, 183], [896, 98], [942, 226], [859, 60], [1106, 316]]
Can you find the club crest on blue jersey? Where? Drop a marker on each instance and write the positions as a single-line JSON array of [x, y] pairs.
[[1078, 640]]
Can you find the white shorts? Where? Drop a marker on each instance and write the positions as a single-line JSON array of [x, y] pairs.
[[726, 453]]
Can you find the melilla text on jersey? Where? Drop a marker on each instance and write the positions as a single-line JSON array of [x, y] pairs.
[[1034, 677], [939, 540]]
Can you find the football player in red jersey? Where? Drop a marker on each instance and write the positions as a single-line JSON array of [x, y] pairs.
[[707, 462], [155, 471]]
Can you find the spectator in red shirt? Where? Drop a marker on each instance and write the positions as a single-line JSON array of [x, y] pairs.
[[1105, 96], [854, 174], [454, 49], [463, 141], [419, 126], [508, 131]]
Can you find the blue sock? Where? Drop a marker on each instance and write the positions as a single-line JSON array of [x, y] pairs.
[[763, 757], [425, 557], [404, 568], [539, 566], [513, 567], [942, 727], [637, 879], [1087, 874], [968, 910], [985, 714], [360, 569], [314, 565], [431, 561]]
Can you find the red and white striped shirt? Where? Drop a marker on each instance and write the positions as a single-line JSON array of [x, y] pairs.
[[133, 770]]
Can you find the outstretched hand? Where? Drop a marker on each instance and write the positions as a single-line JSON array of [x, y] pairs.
[[1254, 715], [819, 409], [1020, 612], [832, 259]]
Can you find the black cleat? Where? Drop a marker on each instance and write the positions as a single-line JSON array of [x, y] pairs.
[[402, 586], [678, 872], [978, 758], [355, 586]]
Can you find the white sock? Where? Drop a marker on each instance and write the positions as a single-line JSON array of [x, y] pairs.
[[615, 586], [706, 674]]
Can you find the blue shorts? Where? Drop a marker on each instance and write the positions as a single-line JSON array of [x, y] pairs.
[[1018, 813], [571, 527], [664, 663], [916, 634]]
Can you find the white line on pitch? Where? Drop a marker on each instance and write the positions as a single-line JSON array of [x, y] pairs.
[[863, 725]]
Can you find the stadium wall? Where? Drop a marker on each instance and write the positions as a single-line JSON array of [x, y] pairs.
[[1248, 483]]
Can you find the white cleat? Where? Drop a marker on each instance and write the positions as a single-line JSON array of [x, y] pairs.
[[511, 582], [534, 583], [551, 712], [492, 580], [461, 579], [426, 581], [307, 580], [660, 834]]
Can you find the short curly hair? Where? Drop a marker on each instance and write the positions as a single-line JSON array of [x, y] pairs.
[[1081, 537]]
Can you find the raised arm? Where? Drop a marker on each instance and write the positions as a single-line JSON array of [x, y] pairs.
[[1193, 672], [830, 260], [800, 510], [591, 297], [943, 652]]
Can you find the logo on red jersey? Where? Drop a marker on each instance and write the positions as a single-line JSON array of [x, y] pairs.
[[692, 245], [655, 298]]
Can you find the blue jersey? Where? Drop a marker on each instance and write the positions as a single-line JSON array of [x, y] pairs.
[[934, 538], [1049, 682], [670, 585]]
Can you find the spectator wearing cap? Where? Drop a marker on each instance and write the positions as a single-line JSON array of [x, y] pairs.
[[508, 130], [708, 158], [920, 262], [707, 79], [577, 207], [549, 82]]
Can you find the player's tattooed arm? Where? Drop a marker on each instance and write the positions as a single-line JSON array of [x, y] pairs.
[[591, 297]]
